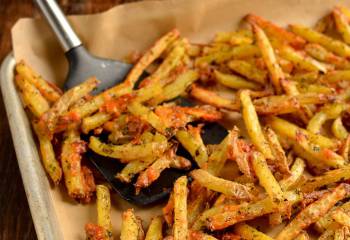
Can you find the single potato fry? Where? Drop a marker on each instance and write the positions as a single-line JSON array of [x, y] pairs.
[[234, 81], [249, 233], [131, 226], [180, 228], [155, 229]]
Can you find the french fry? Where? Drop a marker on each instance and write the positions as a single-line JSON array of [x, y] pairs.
[[342, 24], [312, 36], [248, 70], [51, 165], [94, 121], [313, 213], [341, 217], [129, 152], [176, 88], [301, 60], [234, 81], [303, 236], [191, 140], [329, 177], [308, 77], [134, 167], [249, 233], [217, 184], [324, 24], [253, 126], [327, 222], [315, 88], [72, 149], [131, 226], [49, 119], [180, 228], [289, 130], [276, 32], [153, 53], [320, 53], [338, 129], [266, 178], [327, 235], [47, 90], [342, 233], [155, 229], [198, 235], [168, 210], [268, 54], [31, 97], [243, 36], [336, 76], [328, 112], [296, 173], [280, 159]]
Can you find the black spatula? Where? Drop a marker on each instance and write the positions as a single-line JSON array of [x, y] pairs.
[[83, 65]]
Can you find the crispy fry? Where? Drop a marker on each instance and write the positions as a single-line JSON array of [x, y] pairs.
[[128, 152], [268, 54], [94, 121], [249, 233], [338, 129], [312, 36], [234, 81], [308, 77], [243, 36], [296, 173], [253, 126], [276, 32], [342, 24], [155, 229], [329, 177], [266, 178], [341, 217], [197, 235], [31, 97], [336, 76], [131, 227], [217, 184], [180, 230], [51, 165], [312, 213], [49, 91], [327, 221], [248, 70]]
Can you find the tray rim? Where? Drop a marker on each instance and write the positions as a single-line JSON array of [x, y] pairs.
[[35, 182]]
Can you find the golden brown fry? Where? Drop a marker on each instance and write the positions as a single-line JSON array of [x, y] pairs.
[[276, 32], [313, 212], [336, 76], [324, 23], [327, 222], [249, 233], [48, 90], [31, 97], [243, 36], [180, 229], [266, 178], [229, 188], [155, 229], [342, 24], [268, 54], [338, 129], [197, 235], [248, 70], [312, 36], [94, 121], [234, 81], [104, 209], [131, 226], [329, 177], [51, 165], [252, 124], [296, 173], [341, 217], [308, 77]]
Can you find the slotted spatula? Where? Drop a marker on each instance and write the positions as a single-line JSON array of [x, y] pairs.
[[110, 72]]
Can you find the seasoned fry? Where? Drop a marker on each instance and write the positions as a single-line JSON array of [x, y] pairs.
[[312, 36], [180, 229], [95, 121], [266, 178], [49, 119], [128, 152], [131, 227], [243, 36], [328, 112], [268, 54], [234, 81], [341, 217], [313, 212], [249, 233], [296, 173], [338, 129], [49, 91], [329, 177], [277, 32], [217, 184], [51, 165], [342, 24], [155, 229], [253, 126], [248, 70], [31, 97], [280, 159], [308, 77], [336, 76], [197, 235]]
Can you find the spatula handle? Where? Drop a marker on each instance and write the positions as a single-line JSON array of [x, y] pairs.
[[58, 22]]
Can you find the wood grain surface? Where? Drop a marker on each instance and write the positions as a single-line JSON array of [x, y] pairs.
[[15, 219]]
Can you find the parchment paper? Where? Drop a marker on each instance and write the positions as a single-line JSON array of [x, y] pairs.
[[134, 26]]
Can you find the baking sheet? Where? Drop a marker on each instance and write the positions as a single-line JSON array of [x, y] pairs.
[[114, 34]]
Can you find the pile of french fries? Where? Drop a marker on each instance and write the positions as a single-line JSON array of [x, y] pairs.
[[288, 163]]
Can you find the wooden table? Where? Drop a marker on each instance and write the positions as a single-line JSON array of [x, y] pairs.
[[15, 219]]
